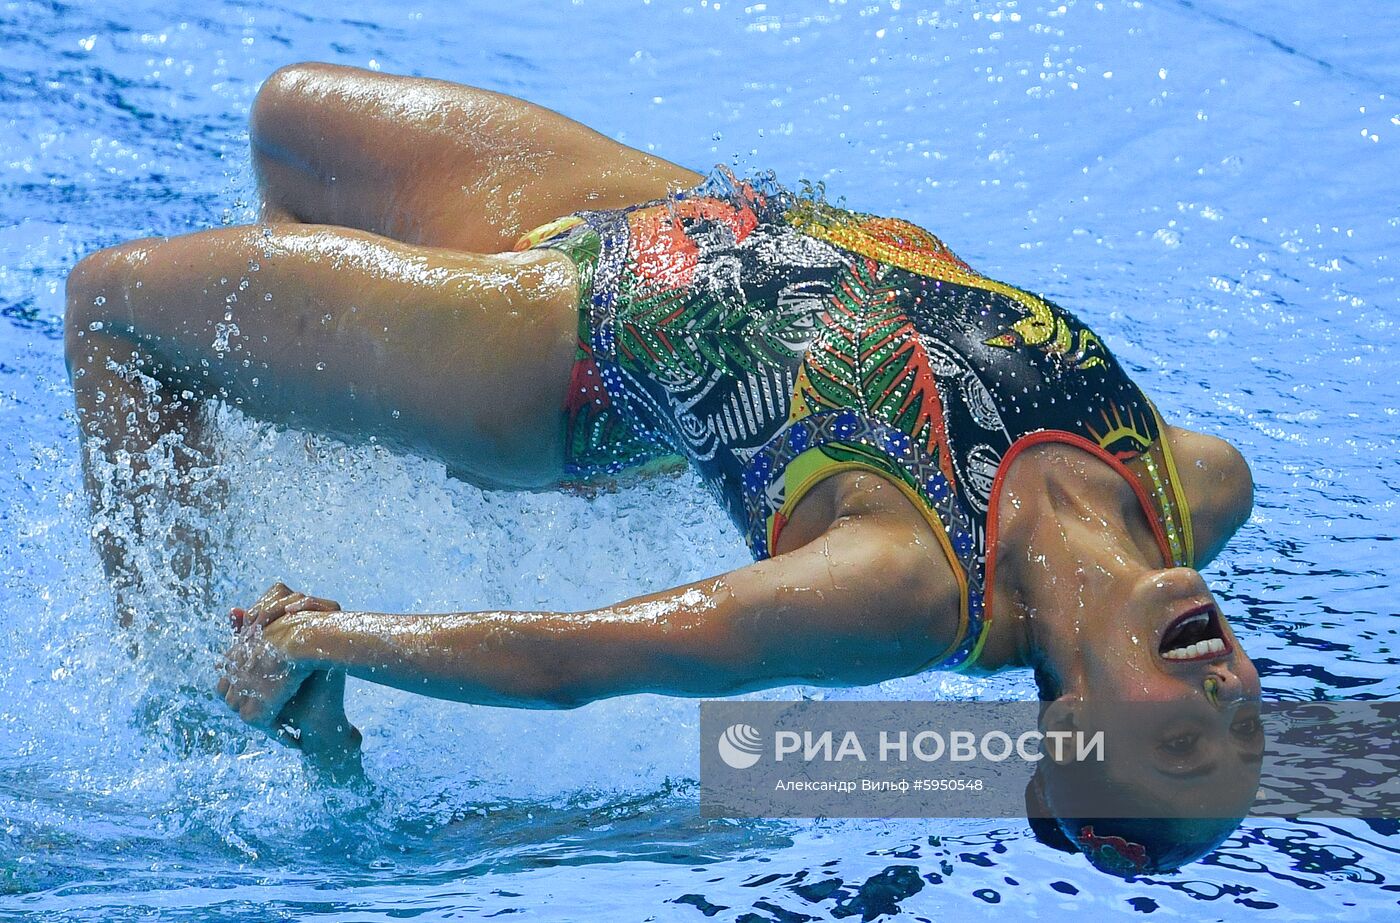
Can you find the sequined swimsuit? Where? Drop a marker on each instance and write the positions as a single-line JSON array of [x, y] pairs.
[[773, 341]]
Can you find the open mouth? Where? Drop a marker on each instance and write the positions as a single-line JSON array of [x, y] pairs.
[[1197, 635]]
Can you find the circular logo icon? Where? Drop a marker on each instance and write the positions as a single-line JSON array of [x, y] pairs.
[[740, 746]]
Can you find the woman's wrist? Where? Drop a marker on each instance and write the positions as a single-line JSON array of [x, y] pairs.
[[301, 636]]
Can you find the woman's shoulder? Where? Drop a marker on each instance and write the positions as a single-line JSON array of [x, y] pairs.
[[1218, 484]]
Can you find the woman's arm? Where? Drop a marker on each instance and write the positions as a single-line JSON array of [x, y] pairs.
[[858, 605]]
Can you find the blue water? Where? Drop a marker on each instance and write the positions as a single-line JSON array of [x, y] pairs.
[[1215, 185]]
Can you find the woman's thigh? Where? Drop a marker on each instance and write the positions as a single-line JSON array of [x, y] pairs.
[[432, 162], [456, 356]]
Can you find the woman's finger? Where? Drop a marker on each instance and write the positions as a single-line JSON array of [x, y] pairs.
[[296, 602], [274, 594], [274, 597], [312, 604], [254, 612], [281, 608], [266, 612]]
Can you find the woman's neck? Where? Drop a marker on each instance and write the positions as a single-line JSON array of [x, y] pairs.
[[1072, 539]]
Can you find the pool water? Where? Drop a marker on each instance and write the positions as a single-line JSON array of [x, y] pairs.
[[1214, 185]]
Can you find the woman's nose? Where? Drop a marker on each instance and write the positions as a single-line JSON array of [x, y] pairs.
[[1223, 686]]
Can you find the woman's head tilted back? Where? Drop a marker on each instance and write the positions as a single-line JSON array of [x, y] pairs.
[[1177, 704]]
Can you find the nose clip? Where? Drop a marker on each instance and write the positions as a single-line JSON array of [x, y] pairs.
[[1212, 687]]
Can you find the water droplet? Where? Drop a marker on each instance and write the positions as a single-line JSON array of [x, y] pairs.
[[96, 325], [100, 300], [320, 366], [222, 334]]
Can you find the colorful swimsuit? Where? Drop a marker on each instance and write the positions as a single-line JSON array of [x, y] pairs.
[[773, 340]]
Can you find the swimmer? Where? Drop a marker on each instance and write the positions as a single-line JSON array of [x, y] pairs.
[[933, 470]]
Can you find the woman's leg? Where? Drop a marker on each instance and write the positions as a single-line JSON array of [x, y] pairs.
[[434, 163], [456, 356]]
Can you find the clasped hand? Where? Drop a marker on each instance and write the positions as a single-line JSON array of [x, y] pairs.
[[265, 685]]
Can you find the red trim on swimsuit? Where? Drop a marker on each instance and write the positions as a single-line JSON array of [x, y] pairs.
[[1079, 442]]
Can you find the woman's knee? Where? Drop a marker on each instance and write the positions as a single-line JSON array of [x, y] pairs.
[[302, 134], [97, 291], [289, 99], [89, 287], [274, 107]]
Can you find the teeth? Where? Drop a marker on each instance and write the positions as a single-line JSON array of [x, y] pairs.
[[1199, 649]]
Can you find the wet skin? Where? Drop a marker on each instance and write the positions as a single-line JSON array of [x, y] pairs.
[[379, 303]]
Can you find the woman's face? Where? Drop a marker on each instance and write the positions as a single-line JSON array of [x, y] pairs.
[[1178, 702], [1168, 641]]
